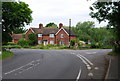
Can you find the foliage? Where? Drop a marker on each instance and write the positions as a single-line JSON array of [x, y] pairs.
[[86, 31], [32, 39], [22, 42], [6, 54], [109, 11], [19, 30], [72, 42], [51, 25], [14, 15]]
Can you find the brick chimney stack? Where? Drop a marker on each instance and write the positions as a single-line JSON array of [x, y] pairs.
[[60, 25], [40, 25]]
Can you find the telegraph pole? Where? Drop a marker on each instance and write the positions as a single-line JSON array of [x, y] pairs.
[[69, 31]]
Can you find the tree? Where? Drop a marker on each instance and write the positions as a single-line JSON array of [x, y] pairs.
[[51, 25], [109, 11], [81, 30], [32, 38], [86, 31], [14, 15], [19, 30]]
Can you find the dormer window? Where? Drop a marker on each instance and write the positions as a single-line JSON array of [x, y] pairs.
[[62, 35], [39, 35], [51, 35]]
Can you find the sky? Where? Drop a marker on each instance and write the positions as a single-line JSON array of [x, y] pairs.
[[60, 11]]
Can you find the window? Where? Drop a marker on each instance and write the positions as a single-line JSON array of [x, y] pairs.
[[39, 41], [52, 35], [51, 42], [62, 35], [39, 35], [62, 42]]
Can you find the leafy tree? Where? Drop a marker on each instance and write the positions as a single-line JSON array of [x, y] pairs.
[[19, 30], [22, 42], [14, 15], [51, 25], [32, 38], [81, 30], [87, 32], [109, 11]]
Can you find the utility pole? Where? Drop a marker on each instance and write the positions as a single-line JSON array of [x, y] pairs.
[[69, 31]]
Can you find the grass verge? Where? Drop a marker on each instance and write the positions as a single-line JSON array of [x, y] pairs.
[[112, 53], [6, 54]]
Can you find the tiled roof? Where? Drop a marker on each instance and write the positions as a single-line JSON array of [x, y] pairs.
[[17, 36], [47, 31]]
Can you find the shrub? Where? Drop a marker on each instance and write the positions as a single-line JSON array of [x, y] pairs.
[[10, 46], [10, 43], [22, 42], [32, 39], [72, 42], [63, 47]]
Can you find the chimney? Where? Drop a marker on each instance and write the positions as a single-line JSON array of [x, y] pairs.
[[40, 25], [60, 25]]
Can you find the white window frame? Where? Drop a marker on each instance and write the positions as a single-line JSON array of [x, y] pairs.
[[51, 42], [52, 35], [39, 35], [39, 41], [62, 42], [62, 35]]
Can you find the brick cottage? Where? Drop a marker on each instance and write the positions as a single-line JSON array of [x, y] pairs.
[[52, 36]]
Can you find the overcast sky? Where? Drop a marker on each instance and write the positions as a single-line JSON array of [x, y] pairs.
[[60, 11]]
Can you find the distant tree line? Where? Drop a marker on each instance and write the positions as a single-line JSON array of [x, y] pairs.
[[87, 31]]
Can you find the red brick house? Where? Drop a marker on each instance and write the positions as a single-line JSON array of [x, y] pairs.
[[58, 35], [16, 37]]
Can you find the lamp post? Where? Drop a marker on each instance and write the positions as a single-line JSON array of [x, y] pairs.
[[69, 31]]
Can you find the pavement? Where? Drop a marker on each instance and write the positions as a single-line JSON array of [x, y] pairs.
[[58, 64], [113, 72]]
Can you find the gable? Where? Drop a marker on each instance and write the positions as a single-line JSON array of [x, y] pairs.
[[61, 30], [29, 30]]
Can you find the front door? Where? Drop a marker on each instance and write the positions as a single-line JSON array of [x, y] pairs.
[[45, 42]]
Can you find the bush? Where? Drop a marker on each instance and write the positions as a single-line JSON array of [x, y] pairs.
[[49, 45], [63, 47], [22, 42], [10, 46], [107, 47], [72, 42], [32, 39], [11, 43]]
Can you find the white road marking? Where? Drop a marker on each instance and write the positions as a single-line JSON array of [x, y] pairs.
[[86, 60], [89, 68], [83, 60], [79, 74], [90, 74], [22, 67], [96, 68], [90, 52]]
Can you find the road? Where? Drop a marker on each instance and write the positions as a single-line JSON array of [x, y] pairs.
[[56, 64]]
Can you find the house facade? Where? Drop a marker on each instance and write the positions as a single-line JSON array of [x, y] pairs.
[[52, 36], [16, 37]]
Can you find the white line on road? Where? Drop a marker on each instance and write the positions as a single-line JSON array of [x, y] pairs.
[[83, 61], [79, 74], [21, 68], [86, 60]]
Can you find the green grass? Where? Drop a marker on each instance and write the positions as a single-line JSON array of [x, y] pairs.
[[112, 53], [6, 54]]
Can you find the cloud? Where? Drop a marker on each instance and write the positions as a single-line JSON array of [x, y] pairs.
[[45, 11]]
